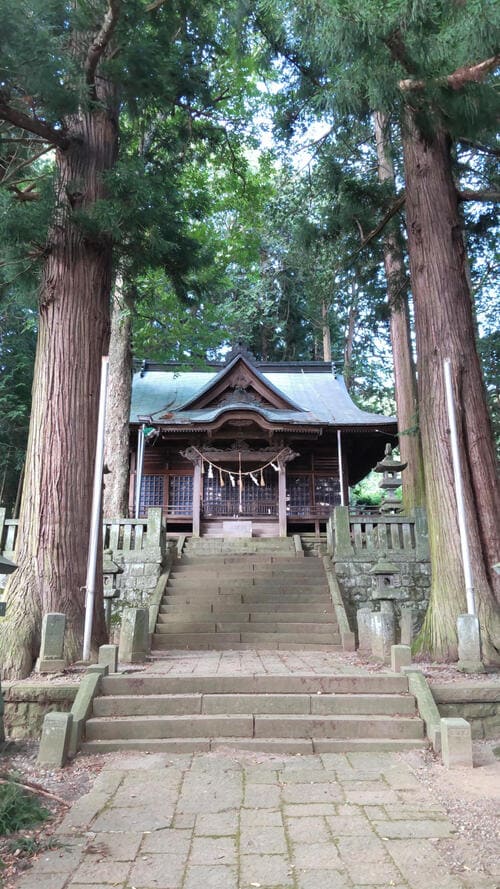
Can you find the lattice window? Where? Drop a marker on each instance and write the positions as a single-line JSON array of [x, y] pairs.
[[326, 491], [151, 492], [180, 495], [255, 500], [298, 491]]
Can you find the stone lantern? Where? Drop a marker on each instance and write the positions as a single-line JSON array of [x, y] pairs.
[[391, 469], [385, 576], [385, 590], [110, 571]]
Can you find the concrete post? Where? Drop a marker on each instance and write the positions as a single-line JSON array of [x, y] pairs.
[[400, 657], [382, 634], [469, 644], [406, 626], [134, 635], [456, 744], [154, 529], [108, 657], [343, 545], [364, 621], [54, 742], [51, 658]]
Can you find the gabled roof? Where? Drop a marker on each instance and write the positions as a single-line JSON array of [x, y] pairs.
[[291, 395], [231, 374]]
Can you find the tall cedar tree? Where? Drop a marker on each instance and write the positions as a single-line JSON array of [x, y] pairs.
[[431, 65], [95, 62]]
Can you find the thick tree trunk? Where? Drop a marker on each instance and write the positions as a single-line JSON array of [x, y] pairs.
[[404, 366], [73, 335], [116, 480], [327, 337], [349, 339], [445, 329]]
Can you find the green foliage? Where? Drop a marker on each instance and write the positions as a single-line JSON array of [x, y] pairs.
[[18, 809], [17, 352]]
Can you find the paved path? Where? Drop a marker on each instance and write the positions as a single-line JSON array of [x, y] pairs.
[[230, 820], [250, 662]]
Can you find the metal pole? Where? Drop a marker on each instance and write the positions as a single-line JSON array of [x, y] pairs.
[[341, 468], [139, 468], [459, 492], [95, 539]]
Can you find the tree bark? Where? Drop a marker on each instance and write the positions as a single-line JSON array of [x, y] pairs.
[[404, 366], [116, 481], [73, 335], [327, 337], [445, 329], [352, 320]]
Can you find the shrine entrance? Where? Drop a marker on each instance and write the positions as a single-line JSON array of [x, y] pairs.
[[224, 496]]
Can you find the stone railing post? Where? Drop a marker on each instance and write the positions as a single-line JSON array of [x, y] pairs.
[[329, 535], [155, 528], [421, 533], [343, 545]]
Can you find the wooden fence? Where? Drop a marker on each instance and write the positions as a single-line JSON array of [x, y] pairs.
[[365, 535], [119, 535]]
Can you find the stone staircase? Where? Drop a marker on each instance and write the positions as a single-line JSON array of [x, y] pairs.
[[293, 713], [246, 593], [253, 594]]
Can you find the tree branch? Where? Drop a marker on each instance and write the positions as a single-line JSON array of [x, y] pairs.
[[458, 79], [98, 46], [485, 149], [480, 196], [393, 209], [32, 125]]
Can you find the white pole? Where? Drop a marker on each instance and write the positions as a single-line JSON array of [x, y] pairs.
[[341, 468], [95, 539], [140, 466], [459, 492]]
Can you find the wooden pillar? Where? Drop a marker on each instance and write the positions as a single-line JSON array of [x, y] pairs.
[[282, 500], [197, 482]]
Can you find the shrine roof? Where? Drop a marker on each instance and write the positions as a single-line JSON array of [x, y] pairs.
[[314, 395]]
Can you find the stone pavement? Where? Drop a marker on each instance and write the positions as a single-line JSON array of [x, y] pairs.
[[230, 820], [251, 662]]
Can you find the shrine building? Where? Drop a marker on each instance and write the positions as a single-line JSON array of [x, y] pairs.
[[247, 447]]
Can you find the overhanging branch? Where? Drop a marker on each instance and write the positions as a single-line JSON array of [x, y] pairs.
[[457, 79], [98, 47], [33, 125], [480, 196]]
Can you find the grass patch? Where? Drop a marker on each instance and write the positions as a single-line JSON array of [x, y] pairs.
[[19, 810]]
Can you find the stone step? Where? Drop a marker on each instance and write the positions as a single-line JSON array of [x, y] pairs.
[[271, 643], [223, 585], [253, 726], [260, 559], [302, 567], [211, 704], [170, 626], [245, 547], [243, 573], [295, 683], [169, 613], [249, 597], [304, 608], [203, 640], [279, 746]]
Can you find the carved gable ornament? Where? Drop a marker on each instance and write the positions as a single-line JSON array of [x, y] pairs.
[[241, 383]]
